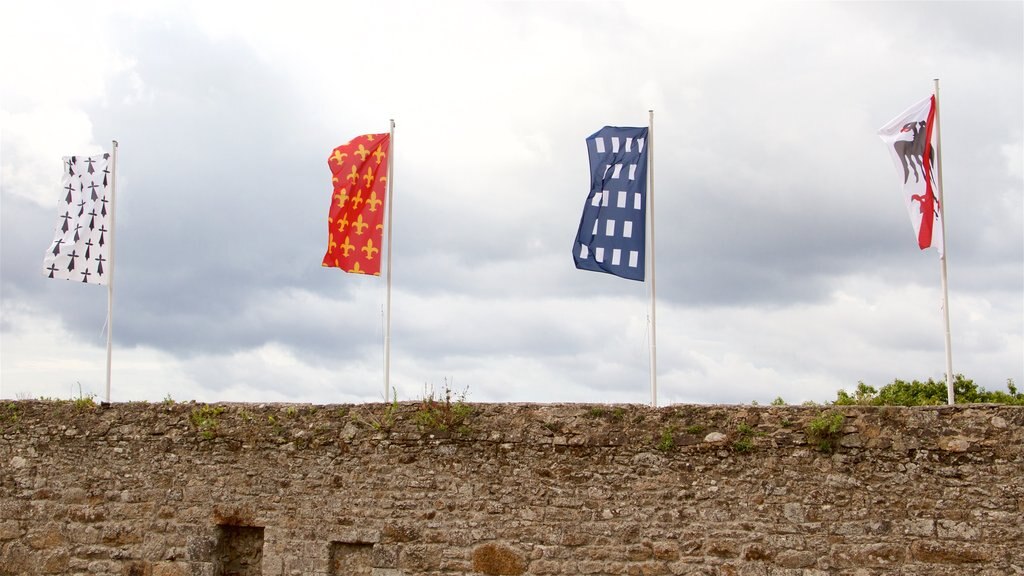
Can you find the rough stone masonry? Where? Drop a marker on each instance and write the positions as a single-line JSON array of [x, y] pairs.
[[506, 489]]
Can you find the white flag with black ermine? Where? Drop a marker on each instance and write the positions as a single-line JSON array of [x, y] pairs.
[[80, 250]]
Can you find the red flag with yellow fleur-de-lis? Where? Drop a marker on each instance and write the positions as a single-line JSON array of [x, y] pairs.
[[359, 171]]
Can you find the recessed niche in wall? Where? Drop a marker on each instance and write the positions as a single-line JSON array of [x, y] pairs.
[[239, 551], [351, 558]]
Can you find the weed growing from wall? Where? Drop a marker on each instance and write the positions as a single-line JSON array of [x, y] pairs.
[[825, 431], [205, 420], [667, 441], [9, 413], [745, 434], [385, 420], [83, 403], [616, 414], [443, 414]]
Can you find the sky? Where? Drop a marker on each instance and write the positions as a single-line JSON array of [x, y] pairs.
[[786, 264]]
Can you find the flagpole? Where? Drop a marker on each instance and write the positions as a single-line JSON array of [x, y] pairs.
[[391, 203], [945, 286], [650, 210], [110, 270]]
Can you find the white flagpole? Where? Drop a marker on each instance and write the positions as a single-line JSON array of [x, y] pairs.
[[113, 266], [391, 203], [942, 260], [650, 211]]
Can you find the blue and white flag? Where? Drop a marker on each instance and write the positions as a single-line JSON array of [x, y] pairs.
[[612, 234]]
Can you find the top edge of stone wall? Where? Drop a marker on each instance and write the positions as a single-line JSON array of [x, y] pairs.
[[993, 430]]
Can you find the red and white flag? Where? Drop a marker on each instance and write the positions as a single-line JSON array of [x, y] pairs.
[[910, 140]]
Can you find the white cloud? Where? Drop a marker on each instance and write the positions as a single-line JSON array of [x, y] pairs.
[[786, 266]]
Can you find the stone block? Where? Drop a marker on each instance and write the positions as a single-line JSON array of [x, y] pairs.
[[137, 568], [948, 552], [666, 551], [9, 530], [953, 530], [861, 555], [796, 558], [919, 527], [498, 560], [171, 569], [384, 556], [46, 538]]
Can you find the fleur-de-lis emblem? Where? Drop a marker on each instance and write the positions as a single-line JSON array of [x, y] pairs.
[[379, 155], [368, 178], [369, 249], [372, 202], [356, 270], [358, 199], [346, 247], [343, 223], [341, 196], [359, 225], [331, 245], [338, 156], [362, 152], [353, 175]]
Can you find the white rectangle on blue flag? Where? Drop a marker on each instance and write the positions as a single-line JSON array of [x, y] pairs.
[[607, 178]]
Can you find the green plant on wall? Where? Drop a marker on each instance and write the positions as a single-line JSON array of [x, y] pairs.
[[745, 434], [616, 414], [384, 421], [443, 414], [9, 413], [205, 420], [826, 430], [83, 403], [667, 441]]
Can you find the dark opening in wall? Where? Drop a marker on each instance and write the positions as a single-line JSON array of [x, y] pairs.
[[239, 551], [351, 558]]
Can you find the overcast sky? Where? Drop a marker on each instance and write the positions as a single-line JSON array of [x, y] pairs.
[[786, 262]]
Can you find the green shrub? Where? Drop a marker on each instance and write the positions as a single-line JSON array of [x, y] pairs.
[[928, 393], [825, 431]]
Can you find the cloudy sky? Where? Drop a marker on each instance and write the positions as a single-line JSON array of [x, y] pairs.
[[786, 263]]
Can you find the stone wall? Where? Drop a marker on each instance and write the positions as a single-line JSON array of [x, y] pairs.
[[183, 489]]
